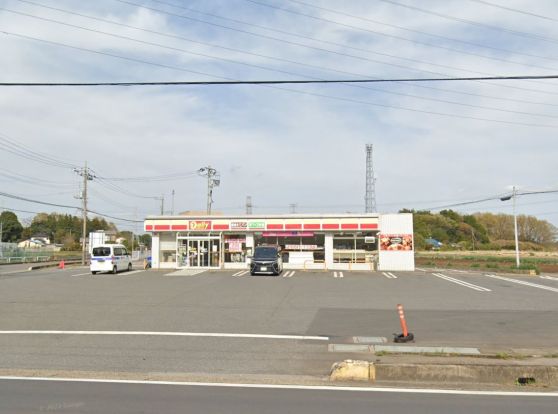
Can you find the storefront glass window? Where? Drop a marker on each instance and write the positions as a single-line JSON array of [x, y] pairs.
[[355, 248], [235, 248]]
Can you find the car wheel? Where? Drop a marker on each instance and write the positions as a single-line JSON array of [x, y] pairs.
[[93, 273], [129, 267], [114, 270]]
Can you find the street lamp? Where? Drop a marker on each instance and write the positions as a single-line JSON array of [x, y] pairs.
[[513, 196]]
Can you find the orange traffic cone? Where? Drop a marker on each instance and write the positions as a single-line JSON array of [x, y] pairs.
[[61, 264]]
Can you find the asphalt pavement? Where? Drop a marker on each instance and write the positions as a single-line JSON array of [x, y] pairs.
[[26, 397], [443, 308]]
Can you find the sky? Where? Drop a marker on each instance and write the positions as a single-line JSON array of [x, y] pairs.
[[436, 144]]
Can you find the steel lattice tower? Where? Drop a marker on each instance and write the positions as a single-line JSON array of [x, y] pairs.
[[370, 195], [248, 205]]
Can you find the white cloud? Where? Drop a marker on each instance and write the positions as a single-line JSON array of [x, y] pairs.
[[280, 147]]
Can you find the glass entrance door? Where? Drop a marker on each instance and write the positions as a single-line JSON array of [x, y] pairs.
[[198, 252]]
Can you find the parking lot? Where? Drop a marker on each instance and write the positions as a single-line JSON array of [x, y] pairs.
[[224, 322]]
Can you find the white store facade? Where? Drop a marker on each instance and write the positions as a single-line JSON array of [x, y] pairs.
[[324, 242]]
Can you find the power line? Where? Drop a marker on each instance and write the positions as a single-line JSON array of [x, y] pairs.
[[498, 197], [345, 46], [337, 98], [235, 62], [365, 19], [279, 82], [29, 200], [309, 65], [305, 37], [165, 177], [393, 36], [11, 146], [499, 6], [474, 23]]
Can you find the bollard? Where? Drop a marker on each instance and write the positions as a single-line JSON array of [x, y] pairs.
[[405, 336]]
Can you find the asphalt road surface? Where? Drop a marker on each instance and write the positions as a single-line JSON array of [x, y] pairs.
[[454, 309], [28, 397]]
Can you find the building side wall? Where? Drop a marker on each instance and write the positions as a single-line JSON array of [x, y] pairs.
[[396, 225]]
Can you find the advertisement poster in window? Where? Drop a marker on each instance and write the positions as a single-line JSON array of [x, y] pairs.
[[396, 242]]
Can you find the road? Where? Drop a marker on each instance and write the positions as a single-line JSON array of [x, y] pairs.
[[440, 311], [28, 397]]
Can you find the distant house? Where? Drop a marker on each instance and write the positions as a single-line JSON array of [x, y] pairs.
[[31, 244]]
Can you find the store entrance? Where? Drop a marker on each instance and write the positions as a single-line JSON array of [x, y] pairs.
[[198, 252]]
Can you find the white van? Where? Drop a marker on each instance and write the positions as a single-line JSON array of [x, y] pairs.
[[110, 258]]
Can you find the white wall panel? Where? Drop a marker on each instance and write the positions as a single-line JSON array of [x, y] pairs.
[[396, 224]]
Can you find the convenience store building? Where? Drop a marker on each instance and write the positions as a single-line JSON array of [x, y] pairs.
[[329, 241]]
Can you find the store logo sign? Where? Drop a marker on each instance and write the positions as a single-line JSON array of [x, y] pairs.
[[200, 225], [238, 225], [256, 225]]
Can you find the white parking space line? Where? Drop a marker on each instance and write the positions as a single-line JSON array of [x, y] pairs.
[[462, 283], [289, 273], [133, 272], [241, 273], [549, 277], [337, 274], [156, 333], [331, 388], [389, 275], [524, 283], [82, 274]]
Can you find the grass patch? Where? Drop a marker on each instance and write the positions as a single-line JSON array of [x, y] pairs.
[[381, 353]]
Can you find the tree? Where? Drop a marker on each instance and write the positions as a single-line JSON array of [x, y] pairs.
[[11, 227], [146, 240]]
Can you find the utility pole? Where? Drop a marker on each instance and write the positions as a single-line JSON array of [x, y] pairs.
[[515, 228], [87, 176], [370, 194], [162, 204], [172, 206], [213, 180], [292, 208], [1, 239], [516, 235], [248, 205]]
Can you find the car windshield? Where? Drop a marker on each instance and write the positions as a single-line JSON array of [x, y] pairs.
[[101, 251], [265, 253]]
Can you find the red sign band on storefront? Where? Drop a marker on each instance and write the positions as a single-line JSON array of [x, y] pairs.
[[288, 234]]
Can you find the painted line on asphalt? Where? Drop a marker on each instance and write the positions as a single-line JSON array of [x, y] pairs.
[[462, 283], [524, 283], [289, 274], [389, 275], [288, 387], [549, 277], [337, 274], [241, 273], [15, 272], [83, 274], [148, 333]]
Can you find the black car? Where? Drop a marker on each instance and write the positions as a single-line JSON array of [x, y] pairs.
[[266, 261]]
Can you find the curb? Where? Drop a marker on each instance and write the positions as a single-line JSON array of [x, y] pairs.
[[43, 266], [539, 375]]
